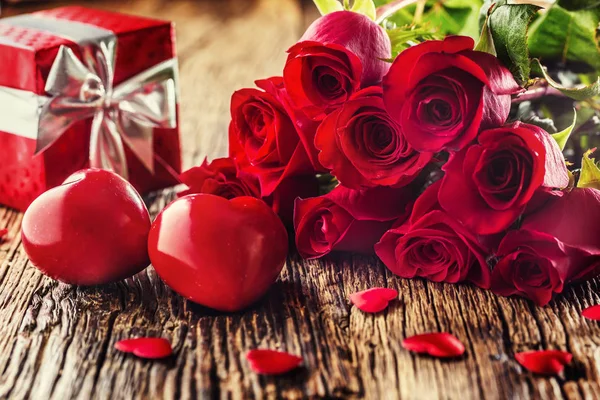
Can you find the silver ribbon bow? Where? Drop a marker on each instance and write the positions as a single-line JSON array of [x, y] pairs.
[[126, 113]]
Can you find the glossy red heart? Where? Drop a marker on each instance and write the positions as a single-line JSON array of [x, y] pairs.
[[223, 254], [3, 233], [92, 229]]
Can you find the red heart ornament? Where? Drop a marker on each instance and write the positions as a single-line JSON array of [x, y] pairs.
[[92, 229], [222, 254]]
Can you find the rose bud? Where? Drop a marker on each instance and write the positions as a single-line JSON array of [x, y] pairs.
[[263, 139], [221, 178], [434, 245], [442, 93], [347, 220], [531, 264], [340, 53], [488, 185], [573, 220], [363, 147]]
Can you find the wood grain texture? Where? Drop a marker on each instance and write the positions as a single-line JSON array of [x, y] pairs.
[[56, 341]]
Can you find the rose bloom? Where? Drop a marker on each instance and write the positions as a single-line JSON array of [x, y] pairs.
[[434, 245], [531, 265], [263, 138], [573, 220], [557, 244], [347, 220], [442, 93], [221, 178], [340, 53], [488, 185], [363, 147]]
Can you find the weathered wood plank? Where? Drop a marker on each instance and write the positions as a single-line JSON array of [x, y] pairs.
[[56, 341]]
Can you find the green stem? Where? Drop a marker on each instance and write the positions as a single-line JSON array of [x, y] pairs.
[[540, 90], [388, 9], [419, 11]]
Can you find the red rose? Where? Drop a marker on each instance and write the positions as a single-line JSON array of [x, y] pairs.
[[442, 93], [282, 199], [573, 220], [531, 264], [263, 138], [488, 185], [339, 53], [434, 245], [363, 147], [558, 244], [221, 178], [347, 220]]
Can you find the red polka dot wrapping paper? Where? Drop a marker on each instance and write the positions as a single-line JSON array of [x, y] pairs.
[[26, 56]]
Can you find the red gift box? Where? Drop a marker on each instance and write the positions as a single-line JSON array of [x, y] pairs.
[[68, 72]]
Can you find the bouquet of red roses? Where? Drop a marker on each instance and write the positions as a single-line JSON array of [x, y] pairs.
[[431, 151]]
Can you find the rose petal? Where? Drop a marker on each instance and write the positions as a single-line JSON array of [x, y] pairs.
[[145, 347], [272, 362], [3, 232], [592, 312], [373, 300], [443, 345], [546, 362]]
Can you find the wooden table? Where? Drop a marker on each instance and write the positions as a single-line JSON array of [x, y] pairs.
[[56, 340]]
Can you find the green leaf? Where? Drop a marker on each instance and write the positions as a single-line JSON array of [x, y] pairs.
[[486, 41], [454, 17], [562, 35], [328, 6], [466, 12], [365, 7], [577, 93], [447, 17], [401, 17], [589, 176], [409, 35], [508, 24], [563, 136], [484, 12], [578, 4]]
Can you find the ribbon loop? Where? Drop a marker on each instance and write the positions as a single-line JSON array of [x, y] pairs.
[[126, 114]]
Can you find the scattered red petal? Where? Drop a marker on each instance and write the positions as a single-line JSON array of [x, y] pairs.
[[373, 300], [546, 362], [3, 232], [271, 362], [592, 312], [146, 347], [443, 345]]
